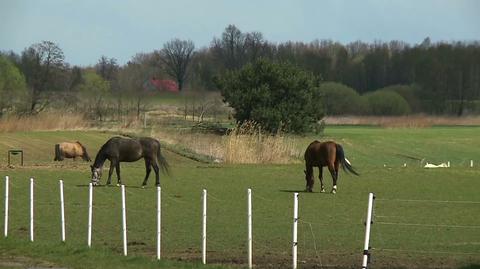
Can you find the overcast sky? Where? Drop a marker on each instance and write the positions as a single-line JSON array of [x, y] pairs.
[[88, 29]]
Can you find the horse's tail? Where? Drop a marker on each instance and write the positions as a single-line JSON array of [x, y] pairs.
[[58, 156], [346, 165], [164, 166]]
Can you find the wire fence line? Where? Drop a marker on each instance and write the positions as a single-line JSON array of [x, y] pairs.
[[428, 225], [227, 232], [426, 251], [428, 201], [226, 240], [383, 239]]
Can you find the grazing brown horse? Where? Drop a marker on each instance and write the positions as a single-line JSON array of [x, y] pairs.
[[328, 154], [122, 149], [70, 150]]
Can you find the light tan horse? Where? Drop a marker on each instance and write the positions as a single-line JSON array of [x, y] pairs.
[[70, 150]]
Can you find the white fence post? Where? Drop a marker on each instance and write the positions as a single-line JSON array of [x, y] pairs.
[[31, 209], [6, 206], [62, 210], [295, 224], [124, 221], [366, 254], [159, 221], [90, 214], [250, 236], [204, 228], [471, 163]]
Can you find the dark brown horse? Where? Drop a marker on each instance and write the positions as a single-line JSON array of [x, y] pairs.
[[70, 150], [329, 154], [122, 149]]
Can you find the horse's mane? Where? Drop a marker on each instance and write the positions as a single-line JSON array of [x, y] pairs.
[[83, 147]]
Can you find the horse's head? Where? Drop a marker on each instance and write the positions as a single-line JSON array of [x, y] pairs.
[[96, 174], [86, 157]]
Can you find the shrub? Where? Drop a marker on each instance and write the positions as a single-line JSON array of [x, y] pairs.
[[387, 103], [275, 95], [410, 93], [339, 99]]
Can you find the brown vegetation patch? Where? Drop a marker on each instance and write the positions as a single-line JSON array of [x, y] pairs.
[[410, 121], [246, 144], [41, 122]]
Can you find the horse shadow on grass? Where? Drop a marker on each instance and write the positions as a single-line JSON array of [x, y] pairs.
[[302, 191], [112, 186]]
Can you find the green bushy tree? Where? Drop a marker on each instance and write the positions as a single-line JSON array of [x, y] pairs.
[[387, 103], [411, 94], [339, 99], [13, 90], [93, 92], [275, 95]]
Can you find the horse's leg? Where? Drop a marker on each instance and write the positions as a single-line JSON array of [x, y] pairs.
[[110, 172], [148, 169], [309, 178], [117, 169], [336, 167], [331, 168], [157, 170], [320, 176]]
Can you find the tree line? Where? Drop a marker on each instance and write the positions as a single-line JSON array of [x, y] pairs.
[[436, 78]]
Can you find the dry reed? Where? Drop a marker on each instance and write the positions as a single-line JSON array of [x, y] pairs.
[[245, 144], [41, 122], [248, 144], [201, 143]]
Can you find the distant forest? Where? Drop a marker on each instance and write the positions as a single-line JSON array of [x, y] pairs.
[[433, 78]]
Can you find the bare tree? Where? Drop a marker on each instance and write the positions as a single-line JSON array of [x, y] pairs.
[[133, 77], [230, 49], [41, 64], [176, 55], [255, 45], [107, 68]]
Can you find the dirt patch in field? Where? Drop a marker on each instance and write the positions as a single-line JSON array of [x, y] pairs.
[[333, 260], [7, 261]]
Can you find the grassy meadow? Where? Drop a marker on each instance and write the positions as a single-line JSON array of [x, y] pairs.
[[424, 218]]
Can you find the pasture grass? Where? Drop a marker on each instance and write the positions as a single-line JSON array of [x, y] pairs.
[[406, 234]]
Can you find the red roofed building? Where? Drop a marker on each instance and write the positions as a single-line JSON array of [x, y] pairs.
[[161, 85]]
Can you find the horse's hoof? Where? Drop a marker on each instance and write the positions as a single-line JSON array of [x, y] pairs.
[[322, 191], [334, 191], [118, 184], [143, 186]]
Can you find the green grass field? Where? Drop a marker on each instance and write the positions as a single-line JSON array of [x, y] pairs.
[[442, 230]]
